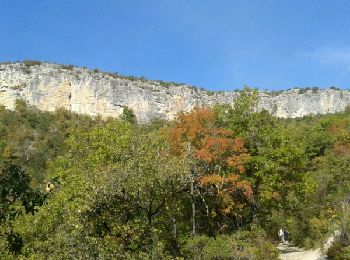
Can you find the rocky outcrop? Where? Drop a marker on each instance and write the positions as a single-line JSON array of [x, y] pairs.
[[50, 86]]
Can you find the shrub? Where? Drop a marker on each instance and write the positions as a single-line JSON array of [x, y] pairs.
[[67, 67], [241, 245], [337, 251], [315, 90], [29, 63], [128, 115], [303, 90]]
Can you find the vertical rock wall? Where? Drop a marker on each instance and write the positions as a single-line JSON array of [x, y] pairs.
[[50, 86]]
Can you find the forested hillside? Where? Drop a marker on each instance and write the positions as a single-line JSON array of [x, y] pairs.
[[216, 183]]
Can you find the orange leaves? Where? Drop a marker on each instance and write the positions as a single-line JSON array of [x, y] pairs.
[[195, 135], [237, 161], [218, 160], [204, 155], [246, 187], [190, 128], [225, 190], [228, 184], [218, 180]]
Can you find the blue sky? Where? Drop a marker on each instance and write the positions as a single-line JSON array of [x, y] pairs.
[[215, 44]]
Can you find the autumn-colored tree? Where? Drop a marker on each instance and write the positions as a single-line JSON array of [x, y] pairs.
[[217, 164]]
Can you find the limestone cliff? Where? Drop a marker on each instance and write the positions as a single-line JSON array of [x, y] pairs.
[[49, 86]]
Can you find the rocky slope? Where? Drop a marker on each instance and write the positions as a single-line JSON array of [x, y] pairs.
[[49, 86]]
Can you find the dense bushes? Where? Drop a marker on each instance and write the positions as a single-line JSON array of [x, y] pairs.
[[253, 244]]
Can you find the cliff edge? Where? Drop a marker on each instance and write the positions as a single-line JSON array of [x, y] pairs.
[[50, 86]]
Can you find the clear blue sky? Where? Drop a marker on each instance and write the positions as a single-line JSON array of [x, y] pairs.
[[215, 44]]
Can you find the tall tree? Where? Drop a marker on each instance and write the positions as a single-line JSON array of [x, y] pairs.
[[217, 165]]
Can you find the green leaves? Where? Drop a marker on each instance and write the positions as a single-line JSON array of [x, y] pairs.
[[120, 190], [113, 181], [128, 115]]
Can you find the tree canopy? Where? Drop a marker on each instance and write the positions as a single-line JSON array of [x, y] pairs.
[[215, 183]]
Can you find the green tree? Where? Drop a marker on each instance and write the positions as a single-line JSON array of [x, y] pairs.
[[128, 115], [277, 168], [120, 196]]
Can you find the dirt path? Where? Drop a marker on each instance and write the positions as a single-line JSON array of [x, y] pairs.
[[289, 252]]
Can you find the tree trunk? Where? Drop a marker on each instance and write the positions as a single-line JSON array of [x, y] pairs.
[[188, 156], [193, 208]]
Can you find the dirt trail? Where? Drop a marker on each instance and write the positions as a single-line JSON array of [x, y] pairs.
[[289, 252]]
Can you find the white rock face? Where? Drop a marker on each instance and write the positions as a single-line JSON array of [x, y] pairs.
[[50, 86]]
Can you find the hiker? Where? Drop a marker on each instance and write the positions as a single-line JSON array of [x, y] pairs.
[[286, 235], [281, 234]]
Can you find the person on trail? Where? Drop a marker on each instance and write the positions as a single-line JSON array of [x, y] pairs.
[[286, 235], [281, 234]]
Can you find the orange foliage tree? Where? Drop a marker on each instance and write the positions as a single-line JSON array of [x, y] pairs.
[[217, 163]]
